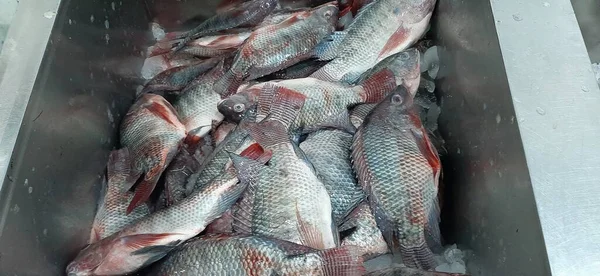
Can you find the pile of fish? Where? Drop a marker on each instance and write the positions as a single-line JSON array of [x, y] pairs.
[[277, 138]]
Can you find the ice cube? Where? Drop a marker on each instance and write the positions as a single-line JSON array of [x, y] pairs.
[[430, 62], [157, 31]]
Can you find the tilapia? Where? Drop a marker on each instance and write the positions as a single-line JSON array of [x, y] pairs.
[[197, 105], [325, 100], [406, 271], [111, 216], [177, 78], [381, 28], [284, 200], [271, 48], [258, 256], [364, 233], [151, 238], [329, 153], [399, 169], [246, 14], [404, 65], [153, 134]]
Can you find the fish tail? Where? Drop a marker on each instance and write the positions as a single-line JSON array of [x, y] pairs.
[[342, 261], [378, 86], [228, 84], [142, 193], [419, 256]]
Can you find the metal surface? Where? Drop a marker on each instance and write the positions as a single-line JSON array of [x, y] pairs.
[[84, 81], [588, 16], [512, 69], [556, 94]]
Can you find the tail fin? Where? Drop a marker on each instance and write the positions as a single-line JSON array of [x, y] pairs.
[[342, 261], [228, 84], [378, 86], [419, 256], [142, 193]]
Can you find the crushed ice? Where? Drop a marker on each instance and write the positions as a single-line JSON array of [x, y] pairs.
[[451, 260]]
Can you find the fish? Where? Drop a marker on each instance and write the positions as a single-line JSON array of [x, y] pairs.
[[329, 153], [405, 66], [399, 170], [270, 49], [153, 134], [245, 14], [407, 271], [364, 233], [254, 255], [151, 238], [359, 113], [325, 100], [176, 78], [381, 28], [284, 200], [111, 216], [197, 105]]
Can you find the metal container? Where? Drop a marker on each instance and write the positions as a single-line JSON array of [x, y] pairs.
[[519, 113]]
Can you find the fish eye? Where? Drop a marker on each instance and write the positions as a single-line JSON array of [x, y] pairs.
[[397, 99], [403, 56], [328, 14], [239, 107]]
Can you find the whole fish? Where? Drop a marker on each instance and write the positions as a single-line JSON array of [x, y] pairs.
[[254, 255], [381, 28], [151, 238], [197, 105], [399, 169], [111, 216], [407, 271], [284, 200], [364, 233], [405, 66], [153, 134], [270, 49], [177, 78], [359, 113], [245, 14], [329, 153], [324, 99]]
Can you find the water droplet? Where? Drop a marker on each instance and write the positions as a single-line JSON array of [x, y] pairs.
[[106, 24], [113, 6], [26, 182], [49, 14], [107, 38], [498, 118], [16, 208], [546, 4], [70, 21], [92, 18], [517, 17], [458, 151], [512, 119], [30, 190], [585, 89], [33, 169], [540, 111], [484, 106], [45, 232]]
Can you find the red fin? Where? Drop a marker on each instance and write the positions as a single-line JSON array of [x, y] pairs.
[[95, 235], [342, 261], [166, 112], [399, 37], [254, 151], [265, 157], [269, 133], [136, 242], [345, 11], [378, 86], [146, 186], [429, 152], [309, 234], [286, 106]]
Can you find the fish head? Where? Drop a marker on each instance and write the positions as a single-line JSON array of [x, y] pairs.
[[235, 106], [90, 258], [407, 69], [327, 14], [396, 109]]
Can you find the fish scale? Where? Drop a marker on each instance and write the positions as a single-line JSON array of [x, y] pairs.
[[329, 152], [397, 167]]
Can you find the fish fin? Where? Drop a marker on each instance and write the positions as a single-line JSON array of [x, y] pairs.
[[328, 47], [309, 234], [351, 220], [433, 237], [141, 241], [419, 256], [146, 186], [286, 106], [253, 151], [164, 111], [95, 234], [378, 86], [340, 121], [155, 249], [356, 199], [265, 99], [227, 85], [387, 226], [429, 152], [392, 46], [247, 170], [269, 133], [342, 261]]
